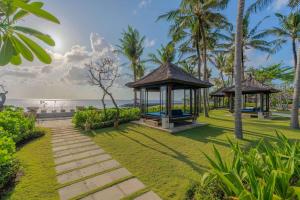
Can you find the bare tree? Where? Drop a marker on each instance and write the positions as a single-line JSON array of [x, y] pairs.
[[103, 74]]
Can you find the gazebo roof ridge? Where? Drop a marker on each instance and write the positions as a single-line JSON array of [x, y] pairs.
[[169, 73], [218, 92], [251, 85]]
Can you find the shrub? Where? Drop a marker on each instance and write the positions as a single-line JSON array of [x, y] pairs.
[[96, 118], [8, 163], [265, 172], [16, 125]]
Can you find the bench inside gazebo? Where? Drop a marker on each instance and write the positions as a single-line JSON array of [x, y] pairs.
[[255, 98], [169, 82]]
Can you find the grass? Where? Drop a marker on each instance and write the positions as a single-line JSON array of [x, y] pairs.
[[38, 180], [168, 163]]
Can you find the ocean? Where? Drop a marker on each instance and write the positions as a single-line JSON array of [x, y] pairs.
[[66, 104], [58, 104]]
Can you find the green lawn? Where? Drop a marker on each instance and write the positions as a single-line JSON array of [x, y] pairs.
[[169, 162], [38, 180]]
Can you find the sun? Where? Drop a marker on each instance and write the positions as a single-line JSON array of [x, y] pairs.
[[57, 39]]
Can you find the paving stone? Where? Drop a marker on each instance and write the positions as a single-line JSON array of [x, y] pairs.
[[65, 132], [78, 156], [67, 137], [73, 141], [72, 146], [75, 150], [87, 171], [148, 196], [58, 140], [76, 189], [81, 163], [130, 186], [111, 193], [64, 135]]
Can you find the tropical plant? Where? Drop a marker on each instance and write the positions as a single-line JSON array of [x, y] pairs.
[[265, 172], [164, 55], [14, 40], [132, 46]]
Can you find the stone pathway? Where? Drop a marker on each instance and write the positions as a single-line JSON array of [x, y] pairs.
[[85, 171]]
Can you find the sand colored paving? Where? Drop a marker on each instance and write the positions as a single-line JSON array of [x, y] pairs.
[[85, 171]]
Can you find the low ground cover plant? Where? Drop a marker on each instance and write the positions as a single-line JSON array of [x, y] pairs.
[[271, 170], [98, 118]]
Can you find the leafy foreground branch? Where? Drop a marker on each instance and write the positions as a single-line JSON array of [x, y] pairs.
[[271, 170]]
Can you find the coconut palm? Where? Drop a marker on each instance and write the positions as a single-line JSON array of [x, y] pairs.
[[289, 30], [199, 16], [253, 38], [238, 69], [165, 54], [219, 61], [132, 47]]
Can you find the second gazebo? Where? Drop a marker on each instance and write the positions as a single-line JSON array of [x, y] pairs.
[[255, 97], [165, 80]]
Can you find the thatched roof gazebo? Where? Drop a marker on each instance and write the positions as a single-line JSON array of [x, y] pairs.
[[165, 80], [218, 97], [257, 92]]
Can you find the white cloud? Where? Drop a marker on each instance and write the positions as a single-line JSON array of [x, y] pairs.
[[279, 4], [149, 42], [67, 70], [144, 3]]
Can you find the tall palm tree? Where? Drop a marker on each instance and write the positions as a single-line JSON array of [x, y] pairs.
[[289, 30], [219, 61], [204, 15], [253, 38], [294, 4], [237, 68], [165, 54], [132, 46], [296, 94]]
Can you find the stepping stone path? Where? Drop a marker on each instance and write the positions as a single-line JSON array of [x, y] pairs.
[[85, 171]]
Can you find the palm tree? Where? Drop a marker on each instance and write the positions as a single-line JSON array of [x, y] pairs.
[[204, 15], [132, 46], [165, 54], [296, 94], [253, 38], [294, 4], [237, 68], [289, 30], [219, 61]]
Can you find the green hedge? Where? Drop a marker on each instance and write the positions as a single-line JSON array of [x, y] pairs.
[[17, 126], [15, 129], [96, 118]]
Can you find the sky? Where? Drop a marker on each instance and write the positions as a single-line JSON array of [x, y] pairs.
[[95, 26]]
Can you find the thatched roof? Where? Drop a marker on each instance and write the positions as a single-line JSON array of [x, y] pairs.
[[169, 73], [218, 93], [252, 86]]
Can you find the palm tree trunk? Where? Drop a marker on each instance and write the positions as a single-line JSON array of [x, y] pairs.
[[135, 79], [243, 63], [205, 67], [294, 53], [296, 100], [199, 71], [238, 75]]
